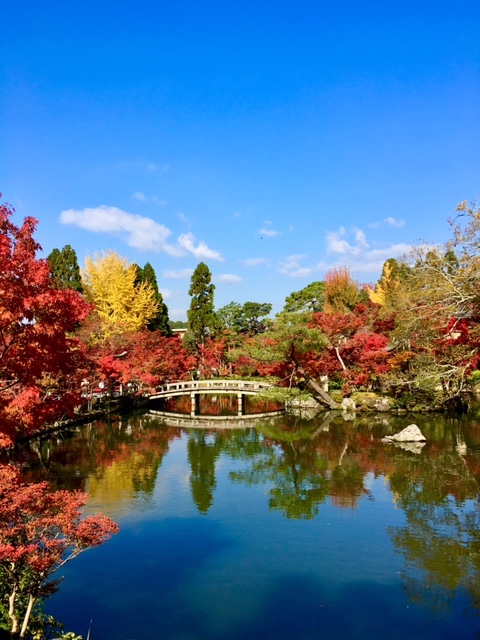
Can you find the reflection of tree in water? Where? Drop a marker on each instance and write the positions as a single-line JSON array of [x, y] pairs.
[[204, 448], [120, 457], [305, 465], [346, 481], [441, 538]]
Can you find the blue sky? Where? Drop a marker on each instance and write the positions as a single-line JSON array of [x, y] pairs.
[[272, 140]]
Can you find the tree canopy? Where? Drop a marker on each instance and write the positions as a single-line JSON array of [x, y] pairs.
[[120, 305], [248, 318], [201, 314], [64, 268], [310, 298], [40, 361], [40, 531], [160, 321]]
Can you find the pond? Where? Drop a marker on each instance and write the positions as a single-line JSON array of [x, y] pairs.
[[294, 527]]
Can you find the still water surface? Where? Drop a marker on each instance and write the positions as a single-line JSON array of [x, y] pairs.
[[296, 528]]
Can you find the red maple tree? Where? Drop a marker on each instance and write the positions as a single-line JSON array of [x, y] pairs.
[[40, 531], [145, 358], [40, 362]]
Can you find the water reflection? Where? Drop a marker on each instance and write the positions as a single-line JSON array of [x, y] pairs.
[[303, 467]]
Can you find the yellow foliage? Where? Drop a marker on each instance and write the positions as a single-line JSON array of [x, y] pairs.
[[385, 288], [377, 295], [122, 307]]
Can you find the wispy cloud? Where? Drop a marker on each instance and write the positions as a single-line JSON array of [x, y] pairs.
[[291, 267], [187, 242], [179, 274], [228, 278], [353, 250], [138, 231], [167, 294], [392, 222], [255, 262], [269, 233], [177, 313], [337, 242], [154, 166], [141, 197]]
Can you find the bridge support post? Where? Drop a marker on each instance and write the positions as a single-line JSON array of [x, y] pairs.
[[240, 404], [194, 404]]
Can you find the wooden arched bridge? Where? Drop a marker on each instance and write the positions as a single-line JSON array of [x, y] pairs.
[[195, 388]]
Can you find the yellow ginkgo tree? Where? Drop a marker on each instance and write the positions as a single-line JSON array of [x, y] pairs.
[[121, 305]]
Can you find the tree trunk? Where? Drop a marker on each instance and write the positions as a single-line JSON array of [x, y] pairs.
[[11, 613], [337, 351], [31, 601], [322, 395]]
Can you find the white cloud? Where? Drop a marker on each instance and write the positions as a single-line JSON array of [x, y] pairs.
[[139, 232], [357, 253], [187, 241], [255, 262], [269, 233], [181, 314], [153, 166], [179, 274], [228, 278], [393, 222], [337, 243], [167, 294], [141, 197], [291, 267]]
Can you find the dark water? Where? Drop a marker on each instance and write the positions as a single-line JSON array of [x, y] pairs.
[[296, 528]]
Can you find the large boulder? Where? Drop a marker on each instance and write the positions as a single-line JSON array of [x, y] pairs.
[[410, 434]]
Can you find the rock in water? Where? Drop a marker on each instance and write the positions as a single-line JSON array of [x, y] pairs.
[[410, 434], [348, 405]]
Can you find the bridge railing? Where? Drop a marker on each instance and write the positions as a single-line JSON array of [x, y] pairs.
[[210, 385]]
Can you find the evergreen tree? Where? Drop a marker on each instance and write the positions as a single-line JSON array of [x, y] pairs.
[[310, 298], [160, 322], [64, 269], [246, 319], [201, 315]]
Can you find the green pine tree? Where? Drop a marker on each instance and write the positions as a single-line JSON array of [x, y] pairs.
[[201, 315], [160, 322], [64, 269]]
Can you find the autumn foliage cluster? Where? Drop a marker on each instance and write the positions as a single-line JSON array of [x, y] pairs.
[[416, 333], [40, 358], [40, 531], [60, 337]]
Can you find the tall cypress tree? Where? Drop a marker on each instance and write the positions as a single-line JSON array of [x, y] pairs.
[[201, 315], [64, 269], [160, 322]]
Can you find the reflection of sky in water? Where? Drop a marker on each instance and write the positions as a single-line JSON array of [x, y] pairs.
[[244, 570]]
